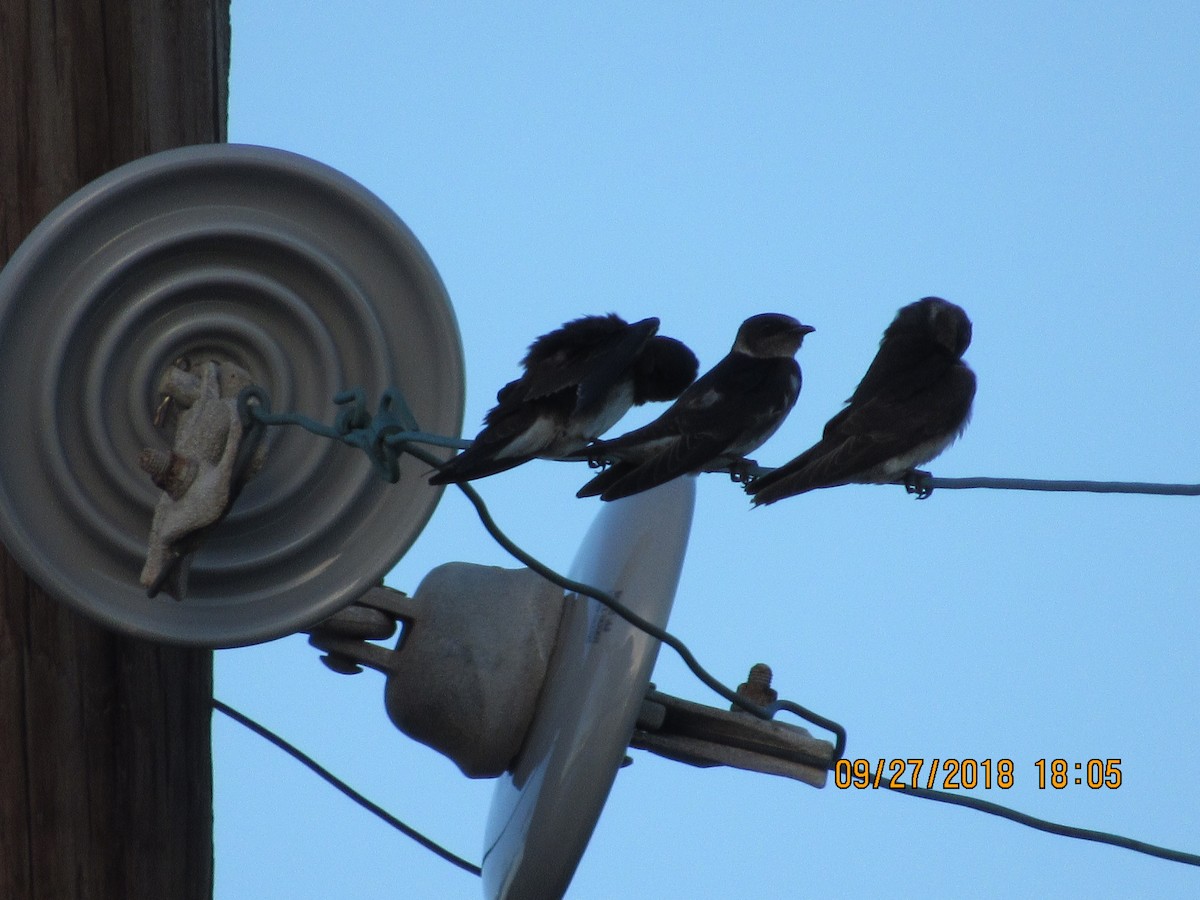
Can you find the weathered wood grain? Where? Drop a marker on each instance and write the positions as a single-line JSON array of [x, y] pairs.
[[105, 754]]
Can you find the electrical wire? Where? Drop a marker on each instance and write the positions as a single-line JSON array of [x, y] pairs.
[[401, 440], [754, 470], [965, 800], [299, 755], [1091, 487], [1070, 831]]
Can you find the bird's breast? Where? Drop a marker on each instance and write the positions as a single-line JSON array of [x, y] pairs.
[[583, 428], [536, 440], [910, 459]]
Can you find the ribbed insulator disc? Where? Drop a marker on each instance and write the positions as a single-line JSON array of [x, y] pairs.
[[240, 254]]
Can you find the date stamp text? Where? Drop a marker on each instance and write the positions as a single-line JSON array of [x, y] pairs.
[[965, 774]]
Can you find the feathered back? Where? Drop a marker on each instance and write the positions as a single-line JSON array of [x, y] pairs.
[[924, 340]]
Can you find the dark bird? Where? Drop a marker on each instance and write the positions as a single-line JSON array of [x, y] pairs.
[[726, 414], [912, 404], [578, 381]]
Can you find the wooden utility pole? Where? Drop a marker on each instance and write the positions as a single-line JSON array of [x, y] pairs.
[[105, 750]]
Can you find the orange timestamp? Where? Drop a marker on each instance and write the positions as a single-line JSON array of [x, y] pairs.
[[967, 774]]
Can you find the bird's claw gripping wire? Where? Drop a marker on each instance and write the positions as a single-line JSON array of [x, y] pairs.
[[919, 482], [743, 471], [594, 461]]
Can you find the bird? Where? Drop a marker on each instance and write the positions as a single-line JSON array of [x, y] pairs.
[[913, 403], [729, 412], [578, 381]]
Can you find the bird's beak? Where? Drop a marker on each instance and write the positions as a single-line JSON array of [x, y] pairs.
[[805, 329]]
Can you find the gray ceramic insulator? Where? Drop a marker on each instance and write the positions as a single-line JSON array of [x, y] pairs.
[[235, 254], [470, 664]]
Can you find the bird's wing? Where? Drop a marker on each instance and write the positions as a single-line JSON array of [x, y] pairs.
[[612, 365], [870, 432], [736, 398], [703, 407], [589, 366], [605, 480], [514, 432], [683, 456]]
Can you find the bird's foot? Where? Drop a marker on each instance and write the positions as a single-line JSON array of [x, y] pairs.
[[919, 482], [743, 471]]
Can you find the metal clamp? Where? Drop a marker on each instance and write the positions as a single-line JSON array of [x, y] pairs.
[[346, 635], [704, 736], [212, 456]]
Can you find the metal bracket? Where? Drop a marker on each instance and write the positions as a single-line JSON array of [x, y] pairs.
[[704, 736], [204, 471], [346, 635]]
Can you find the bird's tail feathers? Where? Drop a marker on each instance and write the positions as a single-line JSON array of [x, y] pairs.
[[795, 477], [468, 466], [603, 482]]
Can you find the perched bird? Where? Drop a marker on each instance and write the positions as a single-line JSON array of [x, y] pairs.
[[578, 381], [723, 416], [911, 405]]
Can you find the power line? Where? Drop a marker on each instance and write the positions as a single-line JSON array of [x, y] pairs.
[[1022, 484], [299, 755], [1070, 831], [392, 431], [1091, 487], [965, 800]]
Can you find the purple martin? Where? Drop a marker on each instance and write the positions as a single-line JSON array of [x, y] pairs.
[[912, 404], [723, 416], [578, 381]]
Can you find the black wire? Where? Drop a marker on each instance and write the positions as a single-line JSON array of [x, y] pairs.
[[1083, 834], [754, 470], [265, 733], [965, 800], [1045, 484]]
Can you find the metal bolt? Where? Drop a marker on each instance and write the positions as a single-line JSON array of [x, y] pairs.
[[757, 687], [760, 673]]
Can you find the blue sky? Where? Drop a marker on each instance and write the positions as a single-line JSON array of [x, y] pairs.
[[1034, 163]]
